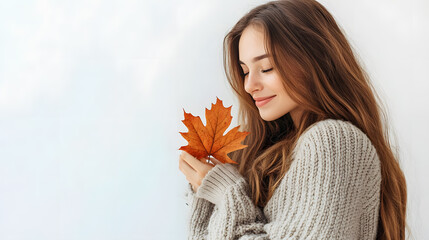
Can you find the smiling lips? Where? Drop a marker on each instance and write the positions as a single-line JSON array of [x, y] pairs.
[[263, 100]]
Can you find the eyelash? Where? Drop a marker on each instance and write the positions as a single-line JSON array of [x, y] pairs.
[[264, 71]]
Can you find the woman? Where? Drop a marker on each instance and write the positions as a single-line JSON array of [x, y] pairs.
[[318, 163]]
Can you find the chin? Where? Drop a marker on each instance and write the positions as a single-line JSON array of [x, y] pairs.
[[268, 118]]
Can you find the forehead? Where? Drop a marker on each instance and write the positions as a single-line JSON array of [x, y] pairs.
[[251, 43]]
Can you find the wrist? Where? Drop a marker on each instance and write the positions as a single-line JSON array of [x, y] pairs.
[[217, 181]]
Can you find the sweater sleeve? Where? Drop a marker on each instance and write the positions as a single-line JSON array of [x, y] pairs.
[[200, 212], [322, 196]]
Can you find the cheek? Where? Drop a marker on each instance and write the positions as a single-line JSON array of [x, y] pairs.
[[276, 83], [288, 100], [285, 102]]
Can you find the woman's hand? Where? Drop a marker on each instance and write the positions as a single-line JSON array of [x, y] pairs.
[[195, 170]]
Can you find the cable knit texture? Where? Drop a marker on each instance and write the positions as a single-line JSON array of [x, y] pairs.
[[331, 191]]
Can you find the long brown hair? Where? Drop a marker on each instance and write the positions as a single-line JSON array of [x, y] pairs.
[[321, 73]]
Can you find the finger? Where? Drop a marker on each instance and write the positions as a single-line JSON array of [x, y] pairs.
[[191, 174], [185, 168], [193, 162]]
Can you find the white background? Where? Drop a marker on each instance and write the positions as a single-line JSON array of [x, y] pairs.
[[92, 96]]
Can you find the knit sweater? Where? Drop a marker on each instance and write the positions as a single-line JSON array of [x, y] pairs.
[[331, 191]]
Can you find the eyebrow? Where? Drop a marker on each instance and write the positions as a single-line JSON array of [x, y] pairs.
[[255, 59]]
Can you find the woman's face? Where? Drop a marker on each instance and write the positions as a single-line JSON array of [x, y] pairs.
[[261, 80]]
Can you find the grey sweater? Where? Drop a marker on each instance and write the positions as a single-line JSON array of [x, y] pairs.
[[331, 191]]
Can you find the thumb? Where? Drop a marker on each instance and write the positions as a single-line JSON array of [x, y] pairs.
[[215, 161], [205, 160]]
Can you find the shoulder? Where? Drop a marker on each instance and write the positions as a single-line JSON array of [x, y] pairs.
[[331, 132], [336, 141]]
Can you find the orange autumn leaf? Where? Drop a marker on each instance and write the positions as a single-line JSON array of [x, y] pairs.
[[206, 141]]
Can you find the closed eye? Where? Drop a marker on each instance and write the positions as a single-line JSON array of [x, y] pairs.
[[264, 71]]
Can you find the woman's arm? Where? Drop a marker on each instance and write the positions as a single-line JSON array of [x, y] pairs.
[[200, 212], [323, 195]]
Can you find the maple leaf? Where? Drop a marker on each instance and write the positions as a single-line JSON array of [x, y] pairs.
[[206, 141]]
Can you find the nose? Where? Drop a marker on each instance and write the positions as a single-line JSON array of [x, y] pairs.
[[252, 83]]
